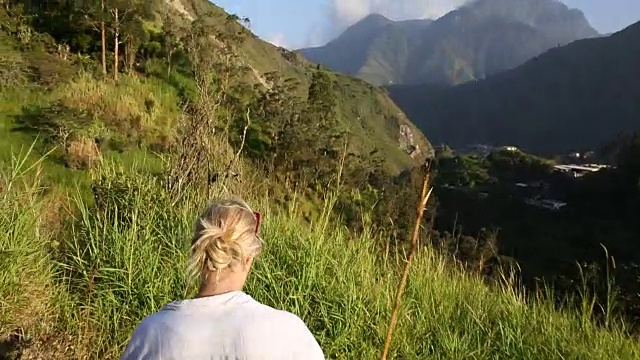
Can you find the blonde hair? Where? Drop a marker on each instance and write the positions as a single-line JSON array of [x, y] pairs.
[[225, 235]]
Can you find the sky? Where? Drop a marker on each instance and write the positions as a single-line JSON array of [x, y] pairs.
[[295, 24]]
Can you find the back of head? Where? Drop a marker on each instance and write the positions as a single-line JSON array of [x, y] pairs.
[[226, 234]]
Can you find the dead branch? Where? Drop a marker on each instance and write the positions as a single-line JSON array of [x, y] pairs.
[[237, 155]]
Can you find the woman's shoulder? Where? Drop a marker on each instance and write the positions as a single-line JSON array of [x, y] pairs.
[[266, 314], [281, 331]]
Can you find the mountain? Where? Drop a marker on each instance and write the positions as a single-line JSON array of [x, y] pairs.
[[570, 98], [472, 42], [375, 49]]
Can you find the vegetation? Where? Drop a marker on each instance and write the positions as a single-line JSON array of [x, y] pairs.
[[152, 47], [553, 104], [592, 239], [477, 40], [110, 157], [79, 292]]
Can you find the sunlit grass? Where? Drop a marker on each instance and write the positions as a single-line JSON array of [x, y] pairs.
[[124, 257]]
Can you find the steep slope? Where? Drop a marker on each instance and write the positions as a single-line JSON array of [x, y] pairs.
[[488, 36], [367, 111], [375, 49], [472, 42], [348, 53], [570, 98]]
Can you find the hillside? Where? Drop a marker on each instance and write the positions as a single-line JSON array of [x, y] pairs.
[[369, 119], [576, 97], [367, 112], [472, 42]]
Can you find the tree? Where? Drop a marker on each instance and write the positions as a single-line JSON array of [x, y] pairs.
[[134, 36], [103, 38], [321, 122], [95, 16], [321, 99], [277, 110], [117, 12], [127, 29], [172, 35], [215, 67]]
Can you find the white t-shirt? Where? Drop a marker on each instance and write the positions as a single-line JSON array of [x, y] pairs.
[[231, 326]]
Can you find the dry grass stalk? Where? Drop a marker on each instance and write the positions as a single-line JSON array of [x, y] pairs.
[[237, 155], [424, 198]]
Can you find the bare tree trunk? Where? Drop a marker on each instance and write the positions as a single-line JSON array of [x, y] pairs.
[[127, 54], [115, 45], [131, 52], [104, 40], [169, 56], [103, 35]]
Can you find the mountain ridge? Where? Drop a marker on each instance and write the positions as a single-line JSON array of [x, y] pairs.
[[476, 40], [579, 96], [365, 43]]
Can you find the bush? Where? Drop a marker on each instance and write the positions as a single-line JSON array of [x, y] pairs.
[[82, 154], [50, 70], [13, 67]]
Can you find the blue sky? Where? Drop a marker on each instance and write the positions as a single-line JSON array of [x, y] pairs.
[[299, 23]]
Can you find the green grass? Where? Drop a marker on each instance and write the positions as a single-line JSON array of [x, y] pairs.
[[30, 297], [123, 256], [150, 104]]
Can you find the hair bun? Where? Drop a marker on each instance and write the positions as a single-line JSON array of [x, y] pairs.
[[224, 237]]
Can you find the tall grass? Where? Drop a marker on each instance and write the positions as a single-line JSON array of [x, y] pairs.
[[124, 256], [28, 294], [149, 101]]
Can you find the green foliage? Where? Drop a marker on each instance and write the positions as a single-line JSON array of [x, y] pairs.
[[27, 268], [626, 155], [517, 166], [462, 171], [124, 257], [562, 248]]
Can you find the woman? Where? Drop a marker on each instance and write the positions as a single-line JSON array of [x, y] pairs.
[[223, 322]]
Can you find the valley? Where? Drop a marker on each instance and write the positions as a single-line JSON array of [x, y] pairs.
[[553, 218], [575, 98]]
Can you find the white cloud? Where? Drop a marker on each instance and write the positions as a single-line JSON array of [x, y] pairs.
[[347, 12], [317, 36], [279, 39], [340, 14]]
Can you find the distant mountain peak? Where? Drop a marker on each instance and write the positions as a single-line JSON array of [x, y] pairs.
[[476, 40], [577, 96], [376, 17], [364, 27]]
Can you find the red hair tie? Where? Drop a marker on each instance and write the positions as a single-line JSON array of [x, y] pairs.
[[258, 221]]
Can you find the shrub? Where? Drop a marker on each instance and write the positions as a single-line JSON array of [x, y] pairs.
[[82, 154], [13, 67]]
